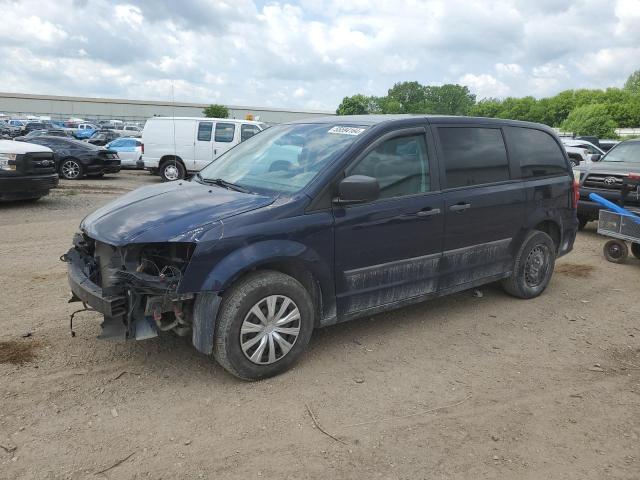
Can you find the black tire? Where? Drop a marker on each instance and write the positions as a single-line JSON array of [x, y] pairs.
[[615, 251], [71, 169], [582, 222], [172, 170], [236, 305], [635, 249], [537, 252]]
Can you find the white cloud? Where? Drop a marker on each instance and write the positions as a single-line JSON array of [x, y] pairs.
[[509, 69], [313, 53], [299, 92], [484, 85], [129, 15]]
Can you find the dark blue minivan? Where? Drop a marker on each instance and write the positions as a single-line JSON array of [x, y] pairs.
[[316, 222]]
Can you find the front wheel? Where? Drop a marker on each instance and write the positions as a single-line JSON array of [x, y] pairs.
[[264, 325], [533, 266], [71, 169], [172, 170]]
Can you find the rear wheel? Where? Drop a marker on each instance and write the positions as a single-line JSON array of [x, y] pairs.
[[533, 266], [615, 251], [172, 170], [264, 325], [71, 169]]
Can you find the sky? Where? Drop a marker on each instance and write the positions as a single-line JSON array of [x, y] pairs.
[[312, 53]]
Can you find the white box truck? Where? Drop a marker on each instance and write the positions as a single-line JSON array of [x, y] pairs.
[[176, 146]]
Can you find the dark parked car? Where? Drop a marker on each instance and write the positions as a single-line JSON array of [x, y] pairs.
[[31, 126], [8, 130], [316, 222], [102, 137], [52, 132], [77, 159], [605, 177], [27, 172], [607, 145]]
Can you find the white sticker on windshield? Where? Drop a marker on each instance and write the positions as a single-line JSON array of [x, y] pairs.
[[347, 130]]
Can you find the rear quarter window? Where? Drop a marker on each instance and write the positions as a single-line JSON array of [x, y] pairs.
[[537, 152], [473, 156]]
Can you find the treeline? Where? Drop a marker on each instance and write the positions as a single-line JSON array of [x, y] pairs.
[[583, 111]]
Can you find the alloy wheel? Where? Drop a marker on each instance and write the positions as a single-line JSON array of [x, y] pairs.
[[70, 169]]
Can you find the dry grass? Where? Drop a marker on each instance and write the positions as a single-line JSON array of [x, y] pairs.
[[17, 353], [574, 270]]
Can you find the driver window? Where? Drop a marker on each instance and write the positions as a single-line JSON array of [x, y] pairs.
[[400, 165]]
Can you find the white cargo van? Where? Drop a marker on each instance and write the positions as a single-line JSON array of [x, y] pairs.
[[175, 146]]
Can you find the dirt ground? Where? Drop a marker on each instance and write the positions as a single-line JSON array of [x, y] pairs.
[[464, 387]]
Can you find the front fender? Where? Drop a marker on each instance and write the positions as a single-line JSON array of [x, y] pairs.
[[227, 270], [251, 257]]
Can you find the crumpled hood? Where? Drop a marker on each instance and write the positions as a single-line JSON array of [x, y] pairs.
[[165, 212]]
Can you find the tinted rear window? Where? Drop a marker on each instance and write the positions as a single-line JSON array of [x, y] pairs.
[[473, 156], [537, 152]]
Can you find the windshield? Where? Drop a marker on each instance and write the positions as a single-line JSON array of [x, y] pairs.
[[624, 152], [284, 158]]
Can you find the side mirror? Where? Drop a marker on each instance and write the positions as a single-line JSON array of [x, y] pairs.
[[357, 189], [595, 157]]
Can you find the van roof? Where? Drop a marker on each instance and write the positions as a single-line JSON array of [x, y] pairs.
[[234, 120]]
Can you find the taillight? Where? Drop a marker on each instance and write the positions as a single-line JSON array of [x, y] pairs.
[[634, 176], [576, 193], [142, 147]]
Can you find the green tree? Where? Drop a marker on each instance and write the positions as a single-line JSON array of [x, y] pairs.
[[354, 105], [487, 107], [561, 105], [448, 99], [407, 97], [216, 111], [633, 83], [518, 108], [590, 120]]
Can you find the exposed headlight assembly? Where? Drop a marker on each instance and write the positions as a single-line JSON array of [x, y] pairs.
[[8, 161]]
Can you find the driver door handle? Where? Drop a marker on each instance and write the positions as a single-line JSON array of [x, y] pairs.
[[428, 212], [460, 207]]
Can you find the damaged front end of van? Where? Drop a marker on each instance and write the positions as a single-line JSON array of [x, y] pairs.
[[142, 260], [135, 287]]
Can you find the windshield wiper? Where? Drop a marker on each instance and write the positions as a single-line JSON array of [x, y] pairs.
[[222, 183]]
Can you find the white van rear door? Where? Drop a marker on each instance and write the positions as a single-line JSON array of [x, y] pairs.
[[204, 146]]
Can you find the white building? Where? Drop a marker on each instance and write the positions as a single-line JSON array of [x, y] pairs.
[[62, 108]]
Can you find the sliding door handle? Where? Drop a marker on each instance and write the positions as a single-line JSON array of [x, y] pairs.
[[459, 207], [428, 212]]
